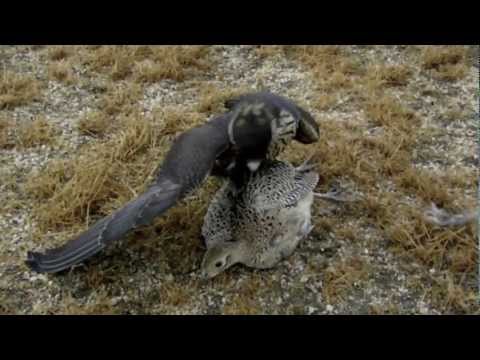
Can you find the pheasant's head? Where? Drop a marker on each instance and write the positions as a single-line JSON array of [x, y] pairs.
[[220, 257]]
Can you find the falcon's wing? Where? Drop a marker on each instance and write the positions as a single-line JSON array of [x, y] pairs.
[[140, 211], [185, 167]]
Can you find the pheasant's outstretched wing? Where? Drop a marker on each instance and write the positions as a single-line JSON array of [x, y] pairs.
[[185, 167]]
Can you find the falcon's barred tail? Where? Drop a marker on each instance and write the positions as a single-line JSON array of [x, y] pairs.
[[140, 211]]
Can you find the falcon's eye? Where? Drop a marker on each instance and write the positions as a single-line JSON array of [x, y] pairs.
[[218, 264]]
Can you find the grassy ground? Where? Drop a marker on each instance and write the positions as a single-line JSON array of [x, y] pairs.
[[83, 128]]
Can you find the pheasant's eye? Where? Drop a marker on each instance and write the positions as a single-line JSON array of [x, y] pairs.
[[218, 264]]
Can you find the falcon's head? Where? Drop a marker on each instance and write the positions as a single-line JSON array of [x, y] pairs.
[[263, 124]]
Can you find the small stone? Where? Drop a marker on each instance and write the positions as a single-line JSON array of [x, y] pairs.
[[116, 300], [311, 310]]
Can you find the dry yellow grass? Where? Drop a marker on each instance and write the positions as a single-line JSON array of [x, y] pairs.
[[179, 61], [342, 276], [149, 71], [326, 224], [324, 101], [426, 186], [241, 305], [61, 71], [390, 75], [8, 303], [174, 295], [435, 56], [434, 247], [450, 296], [57, 53], [331, 67], [39, 131], [100, 305], [17, 89], [51, 180], [388, 112], [6, 130], [388, 309], [243, 300], [175, 120], [103, 58], [377, 207], [121, 100], [344, 155], [445, 63], [265, 51], [146, 64], [100, 173], [95, 124], [390, 151], [455, 113], [212, 98], [347, 233]]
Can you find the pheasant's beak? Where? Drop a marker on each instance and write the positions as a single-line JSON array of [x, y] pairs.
[[205, 276]]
